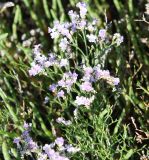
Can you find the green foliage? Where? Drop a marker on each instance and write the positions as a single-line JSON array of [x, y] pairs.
[[97, 141]]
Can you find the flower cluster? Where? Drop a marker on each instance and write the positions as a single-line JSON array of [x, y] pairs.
[[89, 78], [28, 145], [75, 78], [41, 61], [81, 100], [54, 151], [61, 120], [65, 31], [66, 83]]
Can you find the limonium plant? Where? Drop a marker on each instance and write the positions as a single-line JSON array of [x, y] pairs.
[[54, 151], [82, 48], [77, 66]]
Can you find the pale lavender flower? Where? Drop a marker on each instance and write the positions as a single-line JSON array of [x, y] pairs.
[[59, 141], [59, 157], [62, 83], [53, 87], [68, 79], [63, 121], [71, 149], [35, 69], [63, 44], [56, 24], [52, 145], [67, 25], [73, 28], [86, 78], [61, 94], [50, 61], [53, 151], [69, 82], [25, 135], [91, 38], [102, 34], [74, 76], [60, 120], [27, 125], [74, 16], [87, 70], [82, 24], [37, 49], [63, 30], [95, 21], [83, 9], [37, 53], [116, 81], [101, 73], [68, 88], [84, 101], [32, 145], [47, 64], [54, 33], [80, 100], [86, 86], [17, 140], [50, 152], [49, 30], [40, 58], [52, 56], [87, 74]]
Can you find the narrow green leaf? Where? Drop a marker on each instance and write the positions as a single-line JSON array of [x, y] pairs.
[[5, 151], [3, 36]]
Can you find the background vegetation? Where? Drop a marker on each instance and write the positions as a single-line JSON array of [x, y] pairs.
[[22, 97]]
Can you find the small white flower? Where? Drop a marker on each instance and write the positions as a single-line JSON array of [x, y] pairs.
[[73, 15], [71, 149], [82, 24], [92, 38], [63, 121], [49, 30], [91, 28], [63, 62], [83, 9], [86, 86], [54, 34], [63, 44], [42, 156], [81, 100], [118, 39], [116, 81], [35, 69], [102, 34], [59, 141]]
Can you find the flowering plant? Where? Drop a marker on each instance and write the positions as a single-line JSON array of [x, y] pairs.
[[80, 62], [76, 72], [54, 151]]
